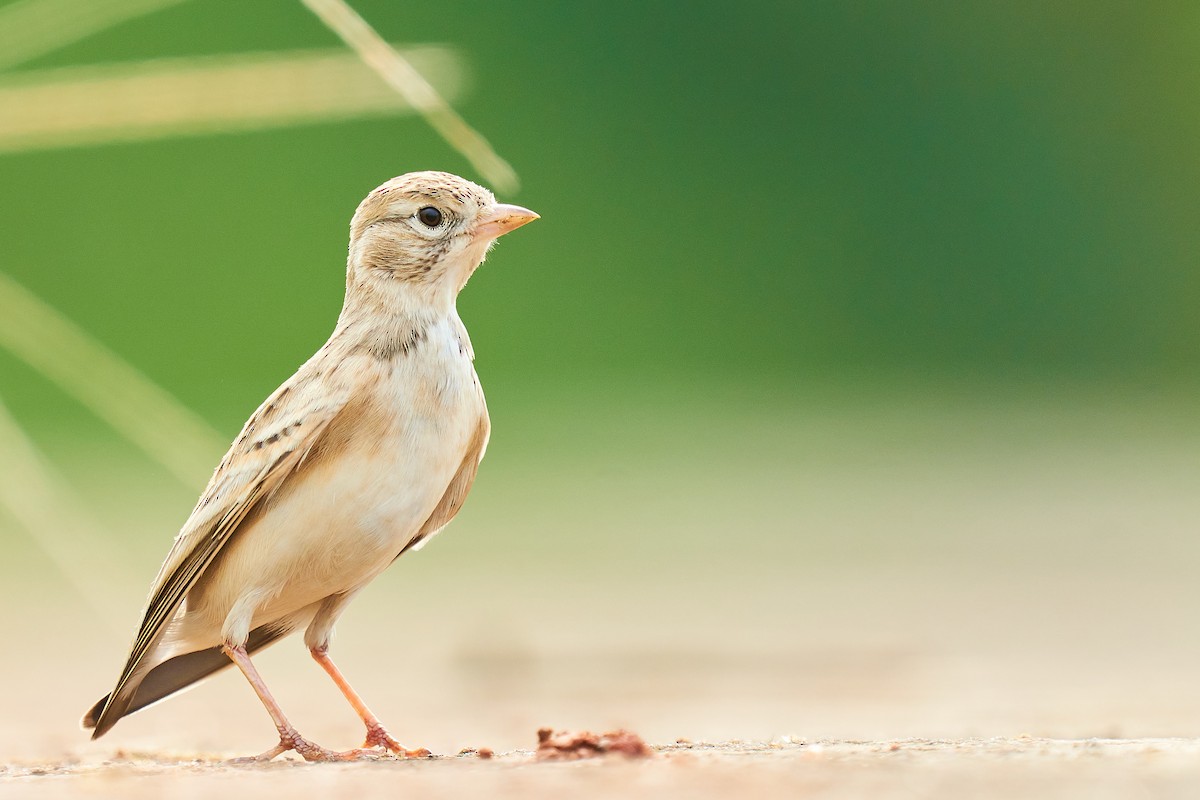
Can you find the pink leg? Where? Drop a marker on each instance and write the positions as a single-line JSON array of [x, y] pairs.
[[289, 739], [377, 735]]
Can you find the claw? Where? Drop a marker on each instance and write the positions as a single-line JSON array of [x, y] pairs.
[[377, 736], [277, 750]]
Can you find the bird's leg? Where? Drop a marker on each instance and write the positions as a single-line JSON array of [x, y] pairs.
[[377, 735], [289, 739]]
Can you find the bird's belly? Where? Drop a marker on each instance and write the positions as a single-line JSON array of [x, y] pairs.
[[343, 524]]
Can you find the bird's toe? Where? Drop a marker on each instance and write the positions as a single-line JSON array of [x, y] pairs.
[[377, 736]]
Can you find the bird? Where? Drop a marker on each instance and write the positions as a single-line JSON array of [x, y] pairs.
[[366, 452]]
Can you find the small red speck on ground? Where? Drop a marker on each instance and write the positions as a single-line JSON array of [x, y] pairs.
[[566, 745]]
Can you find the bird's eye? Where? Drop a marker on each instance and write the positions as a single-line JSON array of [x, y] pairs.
[[430, 216]]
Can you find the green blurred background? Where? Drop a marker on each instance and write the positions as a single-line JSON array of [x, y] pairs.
[[779, 195], [905, 292]]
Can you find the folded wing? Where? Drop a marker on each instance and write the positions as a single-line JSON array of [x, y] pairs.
[[274, 442]]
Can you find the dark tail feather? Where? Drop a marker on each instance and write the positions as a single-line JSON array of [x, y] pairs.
[[166, 679]]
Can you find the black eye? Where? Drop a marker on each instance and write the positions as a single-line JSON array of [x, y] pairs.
[[430, 216]]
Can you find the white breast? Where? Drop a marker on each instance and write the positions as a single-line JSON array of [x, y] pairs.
[[351, 513]]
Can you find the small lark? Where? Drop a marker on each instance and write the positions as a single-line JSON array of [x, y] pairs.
[[362, 455]]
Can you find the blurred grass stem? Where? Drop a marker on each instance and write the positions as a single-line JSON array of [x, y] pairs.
[[110, 387], [40, 501], [159, 98], [412, 86], [33, 28]]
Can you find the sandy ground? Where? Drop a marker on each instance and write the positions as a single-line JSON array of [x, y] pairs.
[[920, 698], [1022, 767], [887, 616]]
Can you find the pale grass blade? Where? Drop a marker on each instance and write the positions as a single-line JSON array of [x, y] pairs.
[[170, 97], [40, 501], [406, 76], [32, 28], [136, 407]]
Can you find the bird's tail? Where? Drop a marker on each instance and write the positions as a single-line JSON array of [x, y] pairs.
[[166, 679]]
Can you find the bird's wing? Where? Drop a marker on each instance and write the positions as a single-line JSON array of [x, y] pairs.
[[277, 438]]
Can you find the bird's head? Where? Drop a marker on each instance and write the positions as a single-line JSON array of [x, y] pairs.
[[423, 234]]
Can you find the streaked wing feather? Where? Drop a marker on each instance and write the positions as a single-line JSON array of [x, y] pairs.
[[274, 442]]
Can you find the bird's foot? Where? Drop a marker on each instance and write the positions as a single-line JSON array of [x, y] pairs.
[[310, 751], [290, 740], [377, 736]]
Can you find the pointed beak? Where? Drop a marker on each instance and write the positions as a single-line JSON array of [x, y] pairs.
[[502, 219]]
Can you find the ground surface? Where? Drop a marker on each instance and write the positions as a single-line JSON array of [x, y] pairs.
[[970, 605], [1022, 767]]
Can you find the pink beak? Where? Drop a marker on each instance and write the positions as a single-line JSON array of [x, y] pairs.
[[502, 219]]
